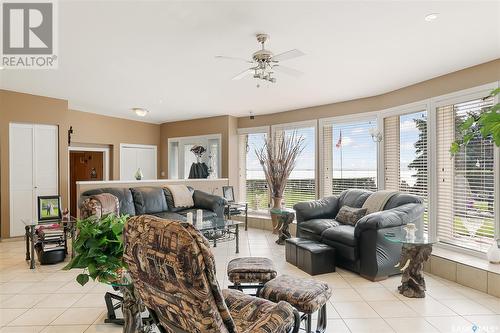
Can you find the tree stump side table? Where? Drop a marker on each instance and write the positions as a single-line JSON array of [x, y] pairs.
[[285, 218], [415, 252]]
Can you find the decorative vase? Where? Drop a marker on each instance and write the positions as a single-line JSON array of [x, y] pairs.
[[493, 253], [138, 174], [275, 216]]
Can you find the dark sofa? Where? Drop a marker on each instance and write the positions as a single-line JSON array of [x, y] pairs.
[[158, 201], [361, 248]]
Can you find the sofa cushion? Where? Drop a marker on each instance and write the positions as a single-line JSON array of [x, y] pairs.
[[402, 199], [349, 215], [123, 194], [354, 198], [317, 226], [149, 200], [342, 233]]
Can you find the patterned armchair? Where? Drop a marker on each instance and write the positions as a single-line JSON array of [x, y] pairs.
[[173, 270]]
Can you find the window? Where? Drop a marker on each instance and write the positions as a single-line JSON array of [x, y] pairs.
[[349, 156], [301, 184], [253, 185], [465, 183], [405, 155]]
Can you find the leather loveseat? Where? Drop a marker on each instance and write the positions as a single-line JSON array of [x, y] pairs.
[[361, 248], [158, 201]]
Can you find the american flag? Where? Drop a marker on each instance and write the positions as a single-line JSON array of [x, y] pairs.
[[339, 143]]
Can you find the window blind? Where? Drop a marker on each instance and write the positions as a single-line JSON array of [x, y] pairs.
[[301, 185], [349, 156], [405, 155], [465, 182], [255, 190]]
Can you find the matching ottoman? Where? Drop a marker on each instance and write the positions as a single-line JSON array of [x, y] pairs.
[[306, 295], [250, 272], [315, 258], [291, 248]]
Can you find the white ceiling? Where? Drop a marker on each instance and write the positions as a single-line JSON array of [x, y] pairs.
[[160, 55]]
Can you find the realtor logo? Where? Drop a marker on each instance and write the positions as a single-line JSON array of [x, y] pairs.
[[28, 37]]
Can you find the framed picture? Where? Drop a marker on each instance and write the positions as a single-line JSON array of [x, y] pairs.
[[49, 208], [228, 193]]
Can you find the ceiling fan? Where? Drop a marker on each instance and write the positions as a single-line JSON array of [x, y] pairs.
[[264, 63]]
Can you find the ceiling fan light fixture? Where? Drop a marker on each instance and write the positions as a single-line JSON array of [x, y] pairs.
[[140, 112]]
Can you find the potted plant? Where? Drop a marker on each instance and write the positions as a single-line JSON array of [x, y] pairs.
[[99, 252], [278, 158]]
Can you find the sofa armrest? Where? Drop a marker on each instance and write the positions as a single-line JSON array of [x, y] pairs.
[[407, 213], [208, 201], [317, 209]]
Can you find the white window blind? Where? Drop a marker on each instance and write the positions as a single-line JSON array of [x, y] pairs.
[[301, 184], [253, 185], [349, 156], [465, 215], [405, 155]]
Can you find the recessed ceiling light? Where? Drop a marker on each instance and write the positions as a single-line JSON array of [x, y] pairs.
[[431, 17], [141, 112]]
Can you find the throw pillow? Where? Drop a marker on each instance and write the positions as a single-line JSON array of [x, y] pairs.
[[350, 215]]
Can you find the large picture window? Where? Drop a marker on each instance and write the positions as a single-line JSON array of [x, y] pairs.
[[349, 156], [466, 182]]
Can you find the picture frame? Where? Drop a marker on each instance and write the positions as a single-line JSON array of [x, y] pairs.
[[228, 193], [49, 208]]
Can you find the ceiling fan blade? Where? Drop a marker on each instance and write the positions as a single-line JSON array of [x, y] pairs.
[[232, 58], [288, 55], [288, 70], [243, 74]]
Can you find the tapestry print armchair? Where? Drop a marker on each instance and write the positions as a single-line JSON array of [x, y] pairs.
[[173, 270]]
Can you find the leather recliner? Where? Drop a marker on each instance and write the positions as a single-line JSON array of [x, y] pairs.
[[361, 248]]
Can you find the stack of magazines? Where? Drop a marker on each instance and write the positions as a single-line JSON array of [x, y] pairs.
[[50, 238]]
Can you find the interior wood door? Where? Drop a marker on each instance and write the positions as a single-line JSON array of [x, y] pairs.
[[33, 165], [84, 165]]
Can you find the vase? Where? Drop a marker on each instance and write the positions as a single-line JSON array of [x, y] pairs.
[[275, 216], [493, 253], [138, 174]]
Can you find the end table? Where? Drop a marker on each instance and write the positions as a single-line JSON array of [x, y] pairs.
[[285, 218]]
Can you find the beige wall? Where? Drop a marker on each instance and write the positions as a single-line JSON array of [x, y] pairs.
[[224, 125], [90, 129], [463, 79]]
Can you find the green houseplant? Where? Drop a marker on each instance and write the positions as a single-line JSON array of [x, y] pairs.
[[99, 252]]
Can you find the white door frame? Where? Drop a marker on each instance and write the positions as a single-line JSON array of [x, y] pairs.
[[134, 145]]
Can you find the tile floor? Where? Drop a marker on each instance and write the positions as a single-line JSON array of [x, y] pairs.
[[48, 299]]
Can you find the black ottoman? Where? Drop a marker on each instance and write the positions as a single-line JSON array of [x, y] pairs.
[[315, 258], [291, 249]]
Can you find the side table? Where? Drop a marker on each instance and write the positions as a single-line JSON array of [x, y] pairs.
[[414, 252], [237, 206], [285, 218]]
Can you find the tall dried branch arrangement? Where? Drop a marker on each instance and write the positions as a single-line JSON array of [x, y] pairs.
[[278, 158]]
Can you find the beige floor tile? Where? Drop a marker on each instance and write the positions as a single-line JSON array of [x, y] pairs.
[[21, 329], [58, 301], [331, 313], [355, 310], [336, 326], [392, 309], [21, 301], [466, 307], [75, 287], [450, 324], [8, 315], [104, 329], [37, 317], [14, 287], [429, 307], [359, 282], [44, 287], [368, 325], [491, 303], [376, 294], [411, 325], [485, 324], [65, 329], [445, 293], [78, 316], [345, 295], [90, 301]]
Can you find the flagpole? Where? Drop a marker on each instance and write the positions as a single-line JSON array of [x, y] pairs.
[[341, 162]]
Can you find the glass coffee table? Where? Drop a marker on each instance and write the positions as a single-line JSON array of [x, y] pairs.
[[415, 251], [220, 230]]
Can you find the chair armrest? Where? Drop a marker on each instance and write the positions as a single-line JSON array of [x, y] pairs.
[[282, 318], [208, 201], [407, 213], [317, 209]]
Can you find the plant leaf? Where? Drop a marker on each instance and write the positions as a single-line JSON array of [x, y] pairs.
[[82, 279]]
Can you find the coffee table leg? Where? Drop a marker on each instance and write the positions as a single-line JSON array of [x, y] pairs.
[[27, 235], [32, 234], [237, 236], [246, 216]]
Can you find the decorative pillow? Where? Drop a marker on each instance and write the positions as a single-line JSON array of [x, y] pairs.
[[181, 196], [350, 215]]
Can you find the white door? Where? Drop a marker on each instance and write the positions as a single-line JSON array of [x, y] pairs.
[[33, 161], [133, 157]]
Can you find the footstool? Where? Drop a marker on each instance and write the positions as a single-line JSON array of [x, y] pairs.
[[250, 273], [306, 295]]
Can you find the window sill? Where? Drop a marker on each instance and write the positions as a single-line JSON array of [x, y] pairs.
[[465, 259]]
